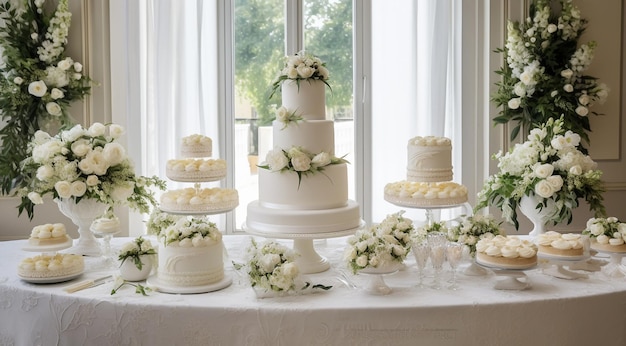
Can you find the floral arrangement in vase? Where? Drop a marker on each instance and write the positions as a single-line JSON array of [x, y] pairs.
[[382, 246], [301, 66], [38, 82], [473, 228], [134, 250], [550, 166], [606, 230], [272, 270], [84, 163], [543, 74]]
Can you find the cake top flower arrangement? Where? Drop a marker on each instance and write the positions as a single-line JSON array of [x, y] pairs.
[[548, 165], [84, 163], [135, 249], [301, 66], [190, 231], [606, 230], [38, 82], [543, 71], [473, 228]]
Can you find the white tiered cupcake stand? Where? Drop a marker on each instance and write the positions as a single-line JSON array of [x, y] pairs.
[[50, 250], [308, 260]]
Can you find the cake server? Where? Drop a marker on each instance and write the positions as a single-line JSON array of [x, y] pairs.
[[86, 284]]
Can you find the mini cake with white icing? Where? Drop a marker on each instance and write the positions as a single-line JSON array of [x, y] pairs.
[[420, 194], [506, 252], [106, 224], [557, 244], [48, 234], [429, 159], [195, 170], [190, 254], [199, 200], [196, 146], [51, 266]]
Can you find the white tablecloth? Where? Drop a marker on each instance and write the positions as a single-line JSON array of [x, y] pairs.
[[552, 312]]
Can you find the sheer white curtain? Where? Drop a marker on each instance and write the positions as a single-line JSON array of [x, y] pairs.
[[414, 59]]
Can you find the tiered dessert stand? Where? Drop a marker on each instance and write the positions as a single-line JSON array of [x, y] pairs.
[[50, 250], [309, 261]]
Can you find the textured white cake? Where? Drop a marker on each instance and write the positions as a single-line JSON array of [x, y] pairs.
[[50, 266], [556, 244], [429, 159], [417, 194], [307, 191], [195, 170], [506, 252], [199, 200], [196, 145]]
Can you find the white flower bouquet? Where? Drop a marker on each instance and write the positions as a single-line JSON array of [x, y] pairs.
[[159, 221], [84, 163], [420, 233], [473, 228], [301, 67], [550, 166], [135, 249], [272, 270], [606, 230], [543, 74], [191, 231]]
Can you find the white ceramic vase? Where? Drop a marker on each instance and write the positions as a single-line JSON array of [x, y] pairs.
[[82, 215], [539, 217], [130, 272]]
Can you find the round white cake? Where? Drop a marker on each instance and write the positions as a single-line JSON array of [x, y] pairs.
[[199, 200], [196, 146], [562, 245], [51, 266], [195, 170], [48, 234], [506, 252], [421, 194], [429, 159]]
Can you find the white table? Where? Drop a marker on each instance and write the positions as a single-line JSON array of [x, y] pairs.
[[552, 312]]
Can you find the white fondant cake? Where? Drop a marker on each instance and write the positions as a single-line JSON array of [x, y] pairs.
[[303, 187], [196, 146], [199, 200], [506, 252], [50, 266], [429, 159], [195, 170], [48, 234], [416, 194], [190, 254]]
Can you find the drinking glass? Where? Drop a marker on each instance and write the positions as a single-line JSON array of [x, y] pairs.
[[421, 252], [454, 253], [437, 242]]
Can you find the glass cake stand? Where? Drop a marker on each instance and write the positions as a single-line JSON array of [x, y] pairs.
[[308, 261]]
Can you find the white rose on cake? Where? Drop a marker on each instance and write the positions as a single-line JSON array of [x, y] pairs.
[[322, 159], [276, 160]]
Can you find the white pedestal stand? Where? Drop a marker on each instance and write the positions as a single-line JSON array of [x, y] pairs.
[[557, 265], [308, 261], [614, 269]]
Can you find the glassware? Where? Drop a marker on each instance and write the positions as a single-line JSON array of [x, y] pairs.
[[421, 252], [454, 253], [437, 242]]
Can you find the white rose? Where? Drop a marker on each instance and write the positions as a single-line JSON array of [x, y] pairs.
[[53, 108], [45, 172], [56, 93], [567, 73], [35, 198], [514, 103], [92, 180], [290, 269], [582, 111], [114, 153], [551, 28], [575, 170], [544, 189], [81, 147], [78, 67], [63, 189], [583, 99], [361, 261], [276, 160], [56, 76], [64, 64], [556, 181], [568, 88], [96, 129], [86, 166], [73, 134], [291, 73], [269, 261], [543, 171], [322, 159], [301, 162], [602, 239], [37, 88], [349, 254], [282, 114], [78, 188], [18, 80], [122, 193], [305, 71], [77, 76], [116, 131], [519, 90], [596, 229]]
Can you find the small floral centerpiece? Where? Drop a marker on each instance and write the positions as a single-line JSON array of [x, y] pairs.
[[84, 163], [301, 67], [606, 230], [550, 166], [159, 221], [272, 270], [38, 83], [376, 248], [299, 160], [190, 231], [134, 250], [474, 228], [543, 73]]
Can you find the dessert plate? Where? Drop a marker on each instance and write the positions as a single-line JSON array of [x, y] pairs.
[[51, 280], [49, 248]]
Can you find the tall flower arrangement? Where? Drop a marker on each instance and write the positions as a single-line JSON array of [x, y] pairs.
[[543, 74], [37, 81], [299, 67], [550, 166]]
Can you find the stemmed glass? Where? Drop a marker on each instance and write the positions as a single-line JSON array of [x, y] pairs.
[[106, 227], [437, 242], [421, 252], [454, 252]]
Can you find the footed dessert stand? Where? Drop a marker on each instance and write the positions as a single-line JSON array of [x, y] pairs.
[[615, 268], [377, 285], [558, 263], [510, 279], [308, 261]]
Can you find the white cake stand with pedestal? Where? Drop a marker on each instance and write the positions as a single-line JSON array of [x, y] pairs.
[[510, 279], [308, 261], [558, 263], [614, 269]]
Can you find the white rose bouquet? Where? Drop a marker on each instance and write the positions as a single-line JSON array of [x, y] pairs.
[[473, 228], [272, 270], [549, 165], [190, 231], [301, 67], [84, 163], [135, 249], [543, 71], [606, 230]]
